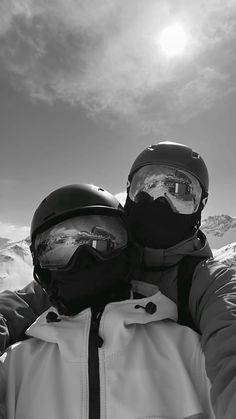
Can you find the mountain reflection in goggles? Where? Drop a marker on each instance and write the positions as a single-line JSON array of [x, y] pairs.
[[182, 191], [55, 246]]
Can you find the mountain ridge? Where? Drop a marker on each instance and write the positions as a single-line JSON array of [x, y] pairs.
[[4, 241], [15, 265], [219, 229]]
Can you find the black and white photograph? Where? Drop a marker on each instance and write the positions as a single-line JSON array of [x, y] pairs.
[[118, 209]]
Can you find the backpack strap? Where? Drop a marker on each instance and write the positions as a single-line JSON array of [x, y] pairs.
[[184, 282]]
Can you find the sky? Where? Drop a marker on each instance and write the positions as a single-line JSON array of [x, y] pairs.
[[86, 86]]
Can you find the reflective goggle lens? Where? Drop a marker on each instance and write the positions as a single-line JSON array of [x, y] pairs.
[[182, 191], [55, 246]]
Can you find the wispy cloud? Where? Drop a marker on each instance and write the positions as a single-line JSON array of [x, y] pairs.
[[13, 232], [103, 54]]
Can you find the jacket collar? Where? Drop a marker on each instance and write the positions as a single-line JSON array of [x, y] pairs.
[[70, 333], [196, 245]]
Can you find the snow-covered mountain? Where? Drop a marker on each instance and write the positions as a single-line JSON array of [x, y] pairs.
[[4, 241], [15, 265], [226, 254], [220, 230]]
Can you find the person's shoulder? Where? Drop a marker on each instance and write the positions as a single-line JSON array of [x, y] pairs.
[[180, 338], [212, 274], [22, 350], [17, 347], [212, 266]]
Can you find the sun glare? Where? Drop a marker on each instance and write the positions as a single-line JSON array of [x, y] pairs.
[[173, 40]]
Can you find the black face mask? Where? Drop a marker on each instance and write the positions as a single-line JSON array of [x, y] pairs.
[[88, 281], [154, 224]]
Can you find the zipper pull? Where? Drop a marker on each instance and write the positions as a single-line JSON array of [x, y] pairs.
[[99, 341], [95, 322]]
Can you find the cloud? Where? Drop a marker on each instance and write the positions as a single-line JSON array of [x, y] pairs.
[[103, 55], [13, 232]]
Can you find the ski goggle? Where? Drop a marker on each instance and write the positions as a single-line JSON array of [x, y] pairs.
[[182, 190], [54, 247]]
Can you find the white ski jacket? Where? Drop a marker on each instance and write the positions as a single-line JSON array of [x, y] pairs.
[[137, 363]]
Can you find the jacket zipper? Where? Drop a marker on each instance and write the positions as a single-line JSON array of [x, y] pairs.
[[95, 342]]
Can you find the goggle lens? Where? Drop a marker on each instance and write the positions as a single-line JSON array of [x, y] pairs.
[[182, 190], [55, 246]]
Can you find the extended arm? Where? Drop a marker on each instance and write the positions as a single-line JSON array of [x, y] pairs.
[[18, 310], [213, 307]]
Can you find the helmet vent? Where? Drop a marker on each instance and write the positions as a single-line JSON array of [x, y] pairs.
[[195, 155], [151, 148]]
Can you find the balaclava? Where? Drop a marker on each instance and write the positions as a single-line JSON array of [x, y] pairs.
[[153, 224], [88, 281]]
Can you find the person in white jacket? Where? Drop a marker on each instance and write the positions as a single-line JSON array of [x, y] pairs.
[[100, 351]]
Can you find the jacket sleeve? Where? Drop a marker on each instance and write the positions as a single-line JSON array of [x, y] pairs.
[[18, 310], [213, 307]]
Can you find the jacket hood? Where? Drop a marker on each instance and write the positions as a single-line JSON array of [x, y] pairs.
[[196, 245], [69, 332]]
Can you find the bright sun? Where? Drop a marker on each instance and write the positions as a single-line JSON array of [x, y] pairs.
[[173, 40]]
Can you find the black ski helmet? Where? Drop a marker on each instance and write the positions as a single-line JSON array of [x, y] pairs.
[[72, 200], [93, 284], [173, 154]]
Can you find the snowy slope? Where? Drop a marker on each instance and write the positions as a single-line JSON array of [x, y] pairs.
[[15, 265], [4, 241], [220, 230], [227, 254]]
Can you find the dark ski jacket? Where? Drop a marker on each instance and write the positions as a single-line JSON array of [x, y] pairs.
[[212, 304]]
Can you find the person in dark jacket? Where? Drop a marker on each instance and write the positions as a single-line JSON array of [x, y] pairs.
[[166, 193]]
